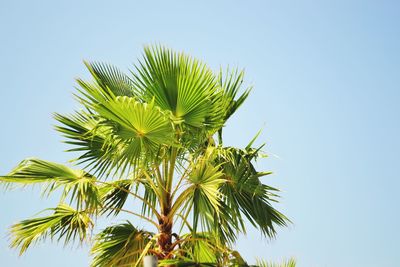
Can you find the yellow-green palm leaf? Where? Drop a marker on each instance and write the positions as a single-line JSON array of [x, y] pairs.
[[65, 223]]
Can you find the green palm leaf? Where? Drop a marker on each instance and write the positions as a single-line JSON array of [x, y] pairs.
[[78, 185], [110, 77], [120, 245], [114, 195], [65, 222], [200, 248], [134, 130], [204, 249], [245, 194], [180, 84], [90, 136], [287, 263], [202, 196], [141, 129], [231, 84]]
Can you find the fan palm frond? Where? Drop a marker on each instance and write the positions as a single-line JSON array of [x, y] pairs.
[[202, 193], [178, 83]]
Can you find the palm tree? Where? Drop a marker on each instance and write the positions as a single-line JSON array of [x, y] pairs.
[[155, 136]]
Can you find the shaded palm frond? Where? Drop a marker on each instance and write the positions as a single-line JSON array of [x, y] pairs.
[[120, 245], [244, 193], [114, 195]]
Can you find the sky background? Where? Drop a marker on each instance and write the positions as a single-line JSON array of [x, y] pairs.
[[326, 78]]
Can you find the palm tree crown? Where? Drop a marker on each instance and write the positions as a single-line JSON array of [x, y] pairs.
[[155, 136]]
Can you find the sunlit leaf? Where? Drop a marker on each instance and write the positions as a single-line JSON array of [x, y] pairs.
[[286, 263], [65, 223], [78, 185]]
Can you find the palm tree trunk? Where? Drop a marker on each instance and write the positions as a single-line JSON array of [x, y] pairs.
[[165, 238], [165, 228]]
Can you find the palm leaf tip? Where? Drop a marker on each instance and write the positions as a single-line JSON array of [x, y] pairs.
[[231, 83], [111, 78]]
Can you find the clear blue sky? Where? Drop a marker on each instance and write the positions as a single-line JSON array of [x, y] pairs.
[[326, 78]]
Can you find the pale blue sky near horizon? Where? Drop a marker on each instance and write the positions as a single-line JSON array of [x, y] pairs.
[[326, 78]]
